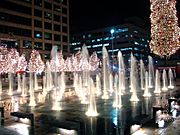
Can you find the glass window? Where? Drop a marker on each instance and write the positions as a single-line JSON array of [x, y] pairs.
[[65, 39], [38, 23], [65, 48], [37, 12], [27, 44], [57, 18], [47, 56], [48, 46], [37, 34], [64, 10], [57, 27], [64, 2], [57, 37], [57, 8], [64, 29], [64, 19], [37, 45], [47, 5], [38, 2], [47, 25], [47, 35], [47, 15]]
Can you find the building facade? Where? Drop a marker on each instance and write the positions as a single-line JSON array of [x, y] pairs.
[[35, 24], [127, 38]]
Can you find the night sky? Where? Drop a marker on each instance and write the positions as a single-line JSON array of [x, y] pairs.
[[90, 14]]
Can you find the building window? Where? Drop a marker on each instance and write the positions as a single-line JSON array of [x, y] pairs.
[[27, 44], [57, 37], [57, 8], [65, 39], [37, 34], [38, 45], [47, 35], [57, 18], [64, 10], [47, 5], [38, 3], [65, 48], [47, 15], [64, 29], [38, 23], [64, 20], [47, 56], [57, 27], [37, 13], [64, 2], [48, 46], [47, 25]]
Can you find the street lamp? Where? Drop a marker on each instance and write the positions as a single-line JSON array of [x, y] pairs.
[[112, 46]]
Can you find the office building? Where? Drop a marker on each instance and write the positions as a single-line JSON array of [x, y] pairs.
[[127, 38], [38, 24]]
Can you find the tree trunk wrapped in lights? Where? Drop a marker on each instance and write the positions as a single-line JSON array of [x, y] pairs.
[[165, 32]]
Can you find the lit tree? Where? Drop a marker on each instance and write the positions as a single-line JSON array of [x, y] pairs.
[[165, 32], [4, 60], [76, 61], [60, 58], [22, 64], [35, 63], [93, 61], [14, 57]]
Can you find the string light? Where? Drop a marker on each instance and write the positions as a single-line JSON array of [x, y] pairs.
[[165, 32], [22, 64], [4, 59]]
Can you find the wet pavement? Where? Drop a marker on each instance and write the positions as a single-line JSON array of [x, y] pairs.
[[110, 121]]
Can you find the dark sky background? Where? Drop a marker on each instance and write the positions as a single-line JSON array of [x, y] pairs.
[[91, 14]]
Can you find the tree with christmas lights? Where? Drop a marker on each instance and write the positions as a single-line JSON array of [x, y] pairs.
[[22, 64], [165, 32], [35, 63], [4, 59], [93, 61]]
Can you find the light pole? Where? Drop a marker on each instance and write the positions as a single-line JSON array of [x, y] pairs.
[[112, 46]]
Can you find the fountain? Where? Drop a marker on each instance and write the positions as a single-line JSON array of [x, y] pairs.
[[121, 73], [19, 82], [171, 78], [151, 72], [157, 83], [118, 92], [92, 111], [142, 74], [146, 90], [0, 85], [98, 85], [133, 80], [35, 82], [105, 72], [24, 93], [10, 84], [165, 83], [62, 86], [31, 90], [111, 89]]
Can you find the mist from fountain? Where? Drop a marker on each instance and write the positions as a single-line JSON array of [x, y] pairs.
[[105, 72], [157, 83], [171, 79], [92, 110], [44, 85], [146, 90], [142, 74], [133, 80], [165, 81], [19, 83], [121, 73], [151, 72], [48, 75]]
